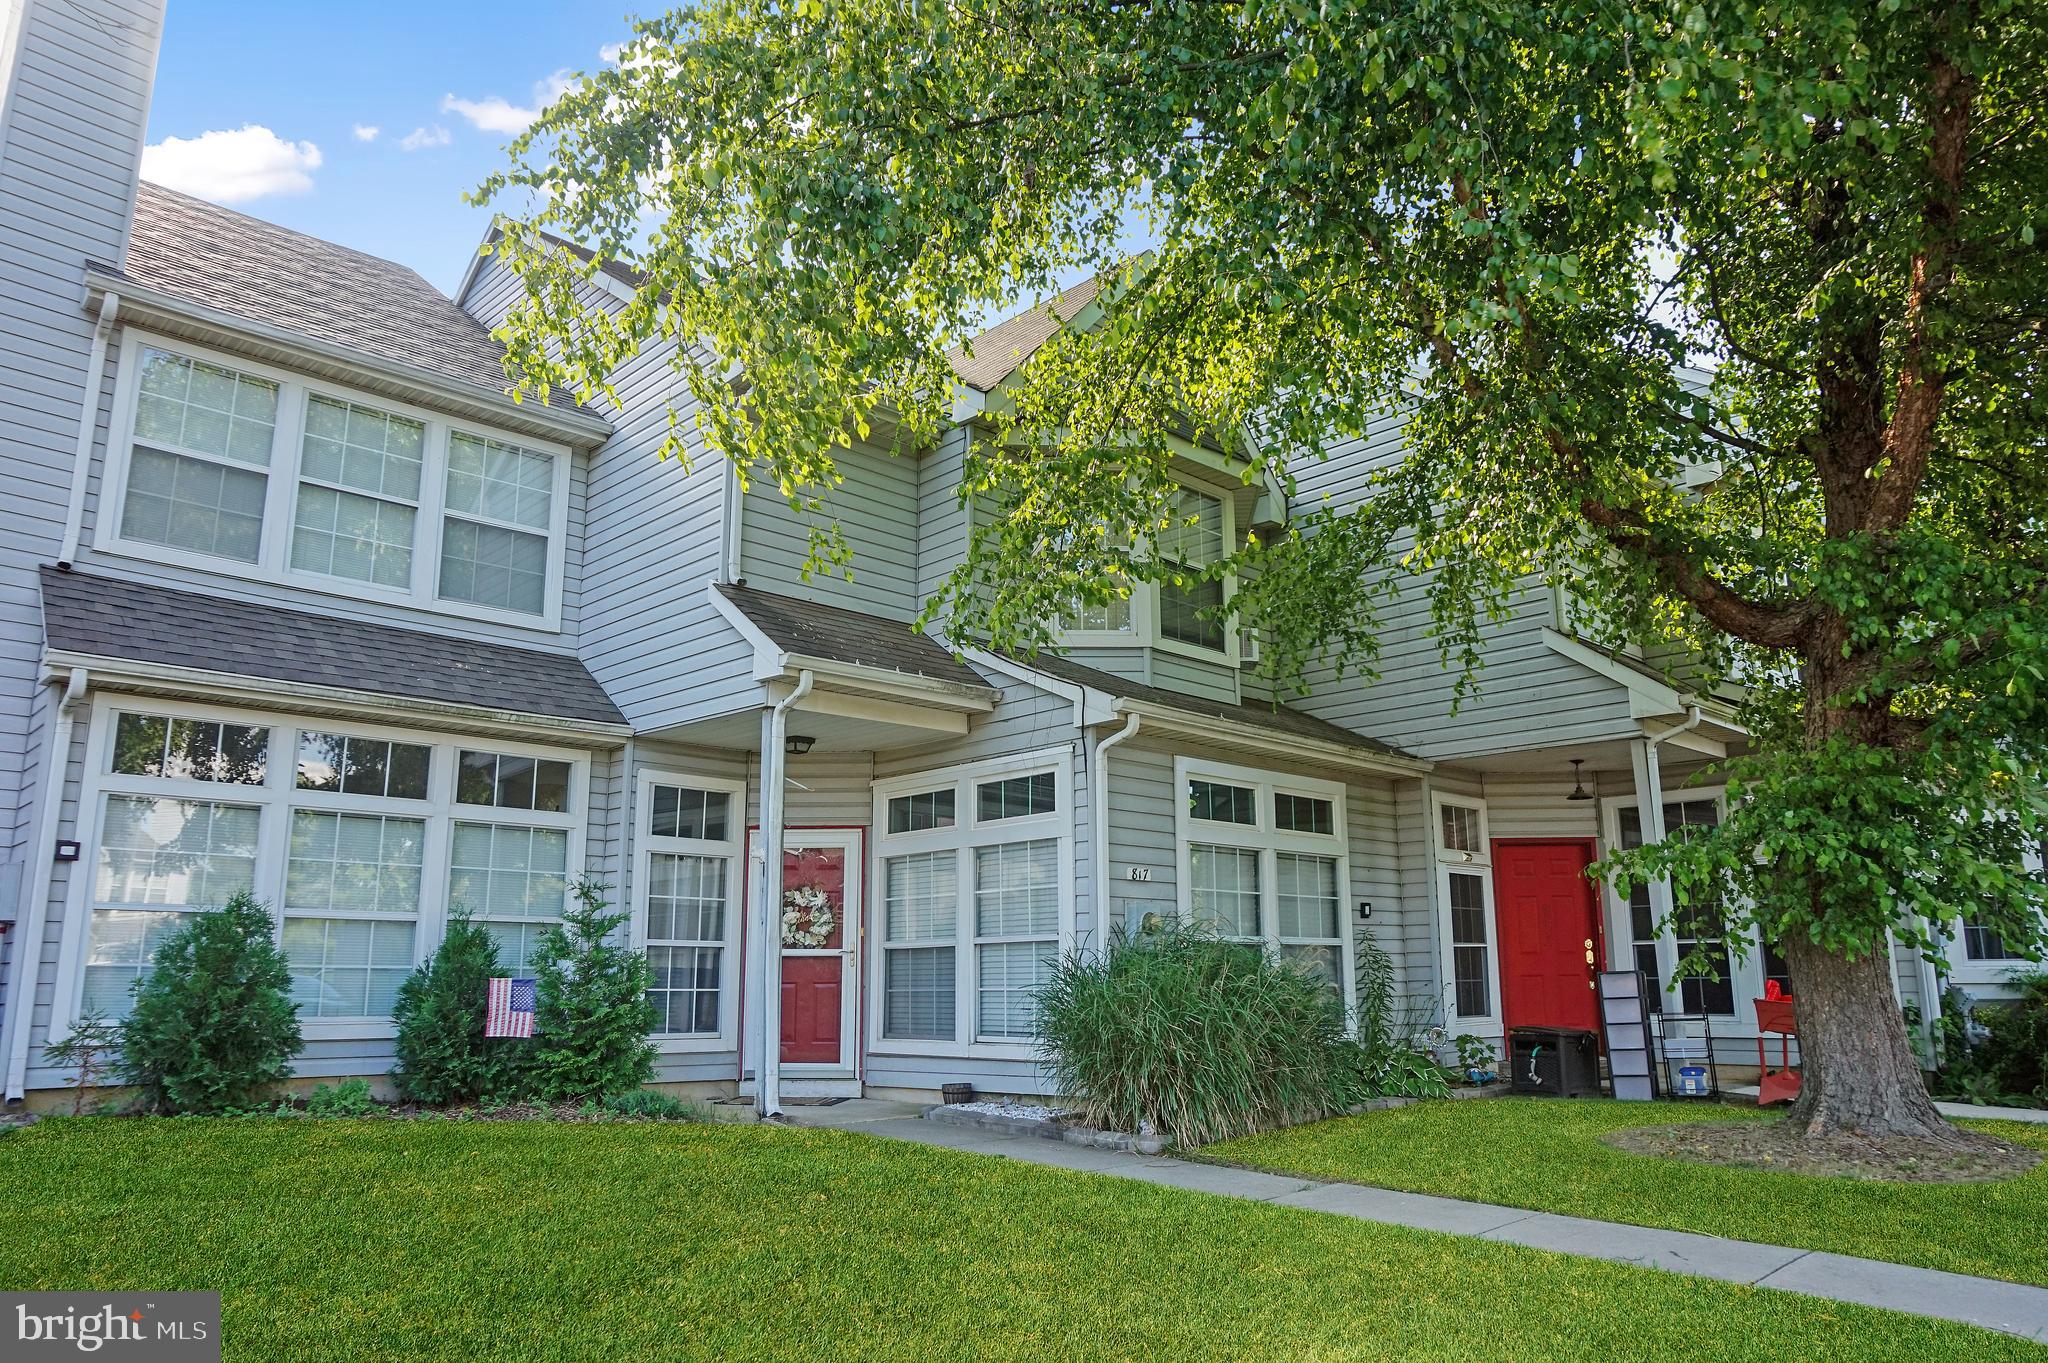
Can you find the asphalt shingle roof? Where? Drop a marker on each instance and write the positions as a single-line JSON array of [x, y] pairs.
[[1252, 714], [214, 257], [982, 362], [848, 636], [106, 617], [997, 352]]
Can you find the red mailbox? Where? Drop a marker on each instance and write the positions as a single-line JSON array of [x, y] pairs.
[[1774, 1017]]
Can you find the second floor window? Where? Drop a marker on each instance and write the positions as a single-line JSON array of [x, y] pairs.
[[228, 465], [1195, 540]]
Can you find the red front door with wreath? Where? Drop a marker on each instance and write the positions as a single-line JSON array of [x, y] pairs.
[[820, 922], [1549, 915]]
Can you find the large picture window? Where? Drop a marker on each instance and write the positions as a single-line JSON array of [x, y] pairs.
[[350, 836], [1263, 862], [974, 911], [688, 887], [232, 465]]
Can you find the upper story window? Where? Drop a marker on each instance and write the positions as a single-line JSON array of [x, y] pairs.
[[223, 464], [1195, 540], [1179, 612]]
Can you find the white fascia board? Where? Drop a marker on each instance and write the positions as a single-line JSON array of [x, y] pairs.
[[1090, 705], [476, 261], [141, 304], [265, 693], [1160, 719]]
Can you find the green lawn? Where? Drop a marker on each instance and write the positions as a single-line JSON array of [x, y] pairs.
[[386, 1240], [1546, 1154]]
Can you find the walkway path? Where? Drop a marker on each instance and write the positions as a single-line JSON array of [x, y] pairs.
[[2014, 1308]]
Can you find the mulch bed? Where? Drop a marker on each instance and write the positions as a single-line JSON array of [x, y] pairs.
[[1964, 1157]]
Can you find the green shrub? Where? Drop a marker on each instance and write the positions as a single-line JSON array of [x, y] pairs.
[[1390, 1027], [1203, 1039], [651, 1105], [349, 1098], [593, 1016], [90, 1050], [443, 1055], [213, 1022], [2014, 1051]]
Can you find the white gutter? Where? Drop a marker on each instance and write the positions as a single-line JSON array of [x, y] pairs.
[[88, 423], [1098, 797], [774, 734], [28, 953], [729, 530], [1694, 716]]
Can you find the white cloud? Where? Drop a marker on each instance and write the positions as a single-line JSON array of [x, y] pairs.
[[611, 52], [496, 114], [232, 165], [419, 138], [367, 132]]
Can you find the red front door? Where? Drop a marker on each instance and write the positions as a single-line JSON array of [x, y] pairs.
[[1549, 933], [814, 955]]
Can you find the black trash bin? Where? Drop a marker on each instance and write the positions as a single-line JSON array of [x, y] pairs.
[[1559, 1062]]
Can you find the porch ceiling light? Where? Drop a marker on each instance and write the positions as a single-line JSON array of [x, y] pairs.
[[1579, 791], [796, 745]]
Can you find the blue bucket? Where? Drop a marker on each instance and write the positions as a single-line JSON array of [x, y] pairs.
[[1692, 1081]]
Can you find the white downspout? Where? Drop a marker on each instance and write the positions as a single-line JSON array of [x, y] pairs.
[[1098, 797], [28, 947], [774, 733], [731, 498], [88, 423]]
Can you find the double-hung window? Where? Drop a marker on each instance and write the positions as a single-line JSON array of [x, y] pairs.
[[690, 878], [1194, 539], [1465, 888], [227, 464], [509, 856], [358, 841], [354, 871], [357, 510], [198, 472], [976, 903], [1263, 862]]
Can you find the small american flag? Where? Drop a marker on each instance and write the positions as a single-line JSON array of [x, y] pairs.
[[510, 1008]]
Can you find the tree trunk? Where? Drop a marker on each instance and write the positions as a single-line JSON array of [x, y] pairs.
[[1858, 1073]]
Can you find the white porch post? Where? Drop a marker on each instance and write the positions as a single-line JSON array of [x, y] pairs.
[[1649, 780], [774, 773]]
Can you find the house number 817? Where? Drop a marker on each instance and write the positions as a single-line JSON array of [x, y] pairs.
[[1141, 873]]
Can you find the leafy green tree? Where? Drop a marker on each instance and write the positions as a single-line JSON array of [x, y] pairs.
[[1730, 311], [593, 1018], [443, 1054], [213, 1023]]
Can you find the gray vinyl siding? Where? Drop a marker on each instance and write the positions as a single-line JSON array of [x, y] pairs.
[[1193, 676], [74, 102], [1529, 695], [876, 509], [942, 520], [652, 542]]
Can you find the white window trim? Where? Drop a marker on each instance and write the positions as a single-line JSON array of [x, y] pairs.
[[1144, 600], [273, 560], [1745, 977], [277, 796], [733, 848], [967, 833], [1262, 837], [1450, 861], [1965, 970]]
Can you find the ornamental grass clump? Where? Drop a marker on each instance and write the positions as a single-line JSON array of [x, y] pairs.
[[1202, 1038]]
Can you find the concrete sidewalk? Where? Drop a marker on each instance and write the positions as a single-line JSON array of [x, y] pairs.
[[2014, 1308]]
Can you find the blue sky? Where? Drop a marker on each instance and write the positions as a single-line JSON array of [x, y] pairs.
[[312, 74]]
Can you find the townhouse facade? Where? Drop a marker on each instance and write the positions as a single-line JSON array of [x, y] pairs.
[[295, 600]]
